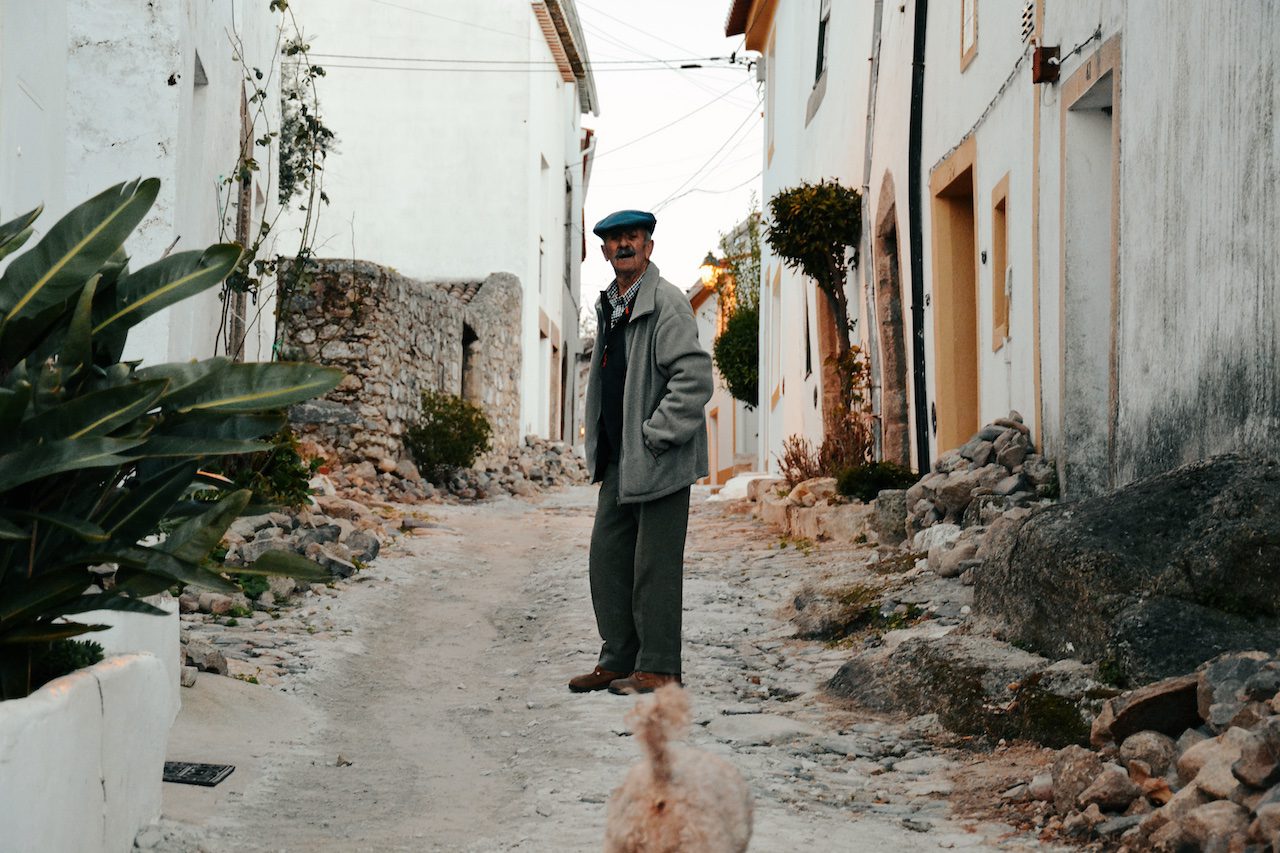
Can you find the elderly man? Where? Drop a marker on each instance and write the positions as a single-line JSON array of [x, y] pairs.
[[646, 445]]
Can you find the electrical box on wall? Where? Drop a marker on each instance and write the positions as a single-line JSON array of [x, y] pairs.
[[1045, 65]]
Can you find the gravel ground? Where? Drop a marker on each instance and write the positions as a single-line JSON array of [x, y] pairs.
[[430, 711]]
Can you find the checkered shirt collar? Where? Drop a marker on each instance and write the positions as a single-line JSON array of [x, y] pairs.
[[619, 304]]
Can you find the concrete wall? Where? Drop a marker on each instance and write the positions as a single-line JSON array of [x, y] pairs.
[[813, 131], [396, 337], [92, 94], [448, 175], [81, 758]]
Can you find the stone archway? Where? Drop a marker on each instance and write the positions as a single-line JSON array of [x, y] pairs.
[[895, 420]]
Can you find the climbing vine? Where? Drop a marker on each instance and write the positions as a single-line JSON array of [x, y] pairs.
[[296, 154]]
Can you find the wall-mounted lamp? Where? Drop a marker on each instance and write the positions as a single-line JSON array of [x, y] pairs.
[[709, 267]]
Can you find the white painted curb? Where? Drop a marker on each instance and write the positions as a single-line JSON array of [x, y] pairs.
[[81, 759]]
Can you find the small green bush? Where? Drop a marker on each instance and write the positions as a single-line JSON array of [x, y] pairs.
[[449, 434], [278, 477], [737, 355], [253, 586], [864, 482], [62, 657]]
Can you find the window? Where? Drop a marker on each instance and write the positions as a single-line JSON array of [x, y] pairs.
[[824, 18], [968, 32], [808, 346], [1000, 264]]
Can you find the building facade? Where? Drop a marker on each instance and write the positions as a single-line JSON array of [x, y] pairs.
[[461, 154], [93, 94], [1063, 215]]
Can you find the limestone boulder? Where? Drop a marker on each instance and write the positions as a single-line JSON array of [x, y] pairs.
[[1155, 577]]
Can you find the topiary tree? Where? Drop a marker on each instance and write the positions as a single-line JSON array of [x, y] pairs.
[[736, 354], [812, 227]]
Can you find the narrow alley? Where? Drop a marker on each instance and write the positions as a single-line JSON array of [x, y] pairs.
[[435, 716]]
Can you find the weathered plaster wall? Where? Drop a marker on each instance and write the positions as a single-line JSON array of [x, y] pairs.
[[92, 94], [397, 337]]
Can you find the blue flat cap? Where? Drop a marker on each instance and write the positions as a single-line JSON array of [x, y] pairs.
[[624, 219]]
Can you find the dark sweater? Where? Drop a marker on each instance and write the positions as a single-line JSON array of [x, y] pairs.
[[614, 381]]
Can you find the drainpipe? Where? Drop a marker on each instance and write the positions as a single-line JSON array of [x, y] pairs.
[[916, 237], [865, 257]]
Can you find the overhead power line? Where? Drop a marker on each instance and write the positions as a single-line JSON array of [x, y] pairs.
[[671, 123], [674, 193], [518, 62], [550, 70]]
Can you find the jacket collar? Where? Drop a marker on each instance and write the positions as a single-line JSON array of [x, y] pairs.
[[645, 298]]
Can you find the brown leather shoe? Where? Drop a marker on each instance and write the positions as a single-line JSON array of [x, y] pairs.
[[643, 682], [596, 679]]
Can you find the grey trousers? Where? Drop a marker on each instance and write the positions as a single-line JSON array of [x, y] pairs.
[[637, 578]]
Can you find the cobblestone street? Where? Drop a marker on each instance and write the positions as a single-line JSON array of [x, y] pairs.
[[433, 715]]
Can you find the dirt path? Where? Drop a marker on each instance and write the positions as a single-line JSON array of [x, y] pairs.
[[447, 699]]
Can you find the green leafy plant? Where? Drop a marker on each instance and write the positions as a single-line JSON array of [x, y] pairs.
[[812, 229], [864, 482], [279, 477], [736, 353], [449, 434], [62, 657], [100, 452]]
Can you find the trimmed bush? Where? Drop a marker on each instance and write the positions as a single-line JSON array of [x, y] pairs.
[[737, 355], [449, 434], [62, 657], [864, 482]]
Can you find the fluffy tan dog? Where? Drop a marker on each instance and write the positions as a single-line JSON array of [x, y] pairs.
[[676, 799]]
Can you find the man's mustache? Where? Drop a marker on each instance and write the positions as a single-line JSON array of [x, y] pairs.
[[624, 252]]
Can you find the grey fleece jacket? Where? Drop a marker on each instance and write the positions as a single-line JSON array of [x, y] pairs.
[[664, 429]]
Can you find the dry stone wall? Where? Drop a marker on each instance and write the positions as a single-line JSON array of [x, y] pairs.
[[396, 337]]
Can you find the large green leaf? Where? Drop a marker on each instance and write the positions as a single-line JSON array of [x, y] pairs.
[[155, 562], [77, 345], [159, 285], [286, 563], [11, 532], [97, 413], [256, 387], [204, 425], [109, 601], [183, 447], [13, 403], [139, 508], [196, 537], [185, 379], [24, 598], [73, 250], [15, 232], [83, 529], [47, 632], [33, 462]]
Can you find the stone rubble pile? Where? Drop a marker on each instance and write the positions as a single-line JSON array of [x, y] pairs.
[[529, 468], [1188, 763], [997, 470], [341, 535]]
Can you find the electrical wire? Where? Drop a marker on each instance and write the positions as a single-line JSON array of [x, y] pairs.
[[631, 26], [709, 160], [689, 114], [434, 70], [520, 62], [452, 20], [717, 192]]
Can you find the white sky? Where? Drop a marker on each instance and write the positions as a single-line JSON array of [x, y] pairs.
[[636, 102]]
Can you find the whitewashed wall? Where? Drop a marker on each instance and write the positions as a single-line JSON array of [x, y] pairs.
[[827, 144], [92, 94], [1199, 310], [972, 104], [440, 174]]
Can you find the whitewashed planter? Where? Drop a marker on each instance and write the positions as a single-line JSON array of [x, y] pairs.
[[81, 758]]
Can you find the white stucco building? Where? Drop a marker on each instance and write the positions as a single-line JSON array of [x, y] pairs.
[[93, 93], [1064, 213], [461, 153]]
